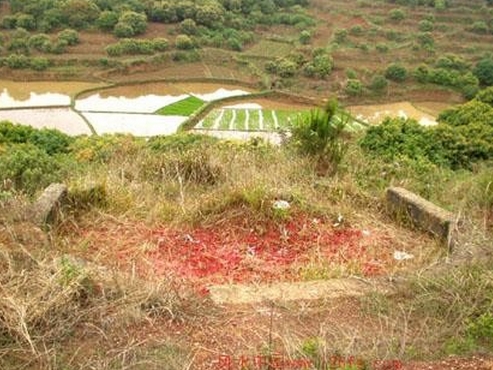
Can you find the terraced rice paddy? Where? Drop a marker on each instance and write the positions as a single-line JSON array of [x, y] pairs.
[[249, 119], [255, 118]]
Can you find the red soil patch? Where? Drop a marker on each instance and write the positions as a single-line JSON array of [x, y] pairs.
[[237, 253]]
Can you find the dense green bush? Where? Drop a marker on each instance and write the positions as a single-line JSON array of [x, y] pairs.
[[130, 24], [137, 46], [396, 72], [397, 14], [184, 42], [462, 137], [353, 87], [49, 140], [17, 61], [39, 63], [378, 83], [40, 42], [484, 71], [28, 167], [71, 37]]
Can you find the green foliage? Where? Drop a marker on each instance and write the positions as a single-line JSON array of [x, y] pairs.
[[462, 137], [137, 46], [426, 26], [130, 24], [321, 66], [184, 42], [17, 61], [321, 135], [188, 27], [485, 96], [305, 37], [397, 15], [104, 148], [452, 61], [40, 42], [107, 20], [396, 72], [184, 107], [340, 35], [378, 83], [426, 40], [71, 37], [49, 140], [39, 64], [484, 71], [28, 167], [26, 21], [479, 27], [180, 142], [382, 47], [353, 87], [79, 13]]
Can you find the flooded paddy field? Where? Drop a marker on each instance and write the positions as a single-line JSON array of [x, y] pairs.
[[144, 125], [375, 114], [63, 119], [133, 108]]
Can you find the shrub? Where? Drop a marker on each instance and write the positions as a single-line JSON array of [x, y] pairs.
[[484, 71], [28, 168], [26, 21], [340, 35], [397, 15], [39, 64], [426, 40], [49, 140], [9, 22], [71, 37], [132, 22], [321, 135], [107, 20], [425, 26], [17, 61], [188, 27], [160, 44], [382, 48], [396, 72], [378, 83], [356, 30], [184, 42], [479, 27], [40, 42], [305, 37], [353, 87]]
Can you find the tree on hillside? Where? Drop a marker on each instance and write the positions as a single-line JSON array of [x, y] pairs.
[[130, 24], [484, 71], [396, 72], [80, 13]]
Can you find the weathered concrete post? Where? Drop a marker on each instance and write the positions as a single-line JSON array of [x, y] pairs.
[[46, 207], [421, 213]]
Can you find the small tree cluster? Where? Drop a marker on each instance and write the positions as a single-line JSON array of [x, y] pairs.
[[135, 47], [319, 65]]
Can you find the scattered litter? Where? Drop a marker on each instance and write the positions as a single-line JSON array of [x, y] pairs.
[[188, 238], [281, 204], [339, 220], [366, 233], [401, 256]]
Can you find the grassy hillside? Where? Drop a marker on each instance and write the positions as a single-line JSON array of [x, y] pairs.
[[122, 278], [350, 48]]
